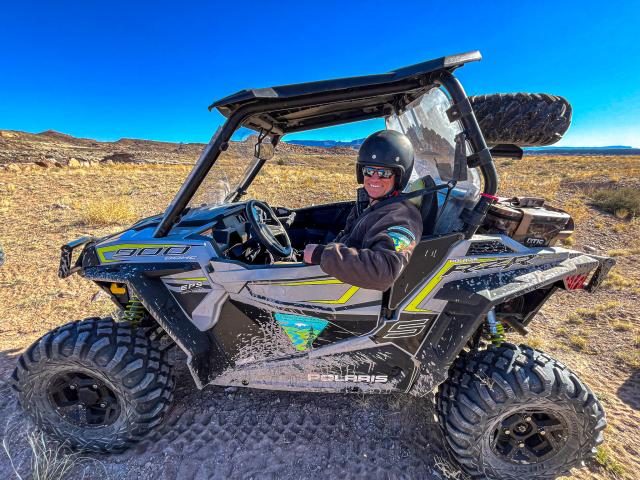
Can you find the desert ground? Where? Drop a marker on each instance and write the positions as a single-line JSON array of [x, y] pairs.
[[54, 188]]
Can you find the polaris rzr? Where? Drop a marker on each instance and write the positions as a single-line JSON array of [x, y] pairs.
[[221, 279]]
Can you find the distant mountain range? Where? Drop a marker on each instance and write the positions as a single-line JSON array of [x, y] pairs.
[[610, 150]]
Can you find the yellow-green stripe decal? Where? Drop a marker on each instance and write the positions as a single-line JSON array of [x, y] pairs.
[[431, 285], [332, 281], [343, 299], [346, 296], [195, 279]]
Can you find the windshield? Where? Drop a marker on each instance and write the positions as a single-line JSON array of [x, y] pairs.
[[433, 137], [226, 174]]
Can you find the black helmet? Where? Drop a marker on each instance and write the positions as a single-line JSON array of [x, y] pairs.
[[387, 148]]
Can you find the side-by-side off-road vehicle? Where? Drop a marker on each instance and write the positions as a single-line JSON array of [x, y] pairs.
[[221, 279]]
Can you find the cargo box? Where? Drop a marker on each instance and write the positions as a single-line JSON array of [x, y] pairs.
[[529, 221]]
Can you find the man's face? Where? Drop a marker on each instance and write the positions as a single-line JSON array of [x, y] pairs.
[[375, 185]]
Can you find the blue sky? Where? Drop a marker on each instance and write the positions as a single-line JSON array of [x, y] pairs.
[[108, 70]]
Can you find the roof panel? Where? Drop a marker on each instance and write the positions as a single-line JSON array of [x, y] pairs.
[[363, 92]]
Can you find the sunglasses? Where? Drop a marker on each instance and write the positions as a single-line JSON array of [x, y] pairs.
[[382, 172]]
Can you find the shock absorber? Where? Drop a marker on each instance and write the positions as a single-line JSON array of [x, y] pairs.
[[133, 310], [496, 330]]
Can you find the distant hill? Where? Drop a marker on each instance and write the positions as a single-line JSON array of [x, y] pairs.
[[55, 148], [610, 150], [51, 147]]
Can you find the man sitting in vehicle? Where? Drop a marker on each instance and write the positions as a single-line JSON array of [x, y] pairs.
[[380, 233]]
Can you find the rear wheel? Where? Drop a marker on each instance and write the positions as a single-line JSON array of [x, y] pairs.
[[513, 412], [97, 384]]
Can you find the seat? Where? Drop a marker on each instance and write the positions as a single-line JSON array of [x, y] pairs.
[[429, 251], [427, 204]]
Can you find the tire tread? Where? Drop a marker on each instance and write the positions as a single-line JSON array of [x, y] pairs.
[[131, 354], [481, 383]]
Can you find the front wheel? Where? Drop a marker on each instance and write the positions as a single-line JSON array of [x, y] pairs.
[[513, 412], [97, 384]]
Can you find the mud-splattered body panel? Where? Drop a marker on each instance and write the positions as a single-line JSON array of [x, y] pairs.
[[290, 326]]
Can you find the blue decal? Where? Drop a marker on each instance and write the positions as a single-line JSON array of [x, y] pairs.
[[301, 330]]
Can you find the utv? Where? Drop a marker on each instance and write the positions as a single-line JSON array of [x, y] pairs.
[[221, 279]]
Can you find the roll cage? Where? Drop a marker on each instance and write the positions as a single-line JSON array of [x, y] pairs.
[[280, 110]]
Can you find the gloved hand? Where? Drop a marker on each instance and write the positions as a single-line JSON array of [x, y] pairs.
[[308, 252]]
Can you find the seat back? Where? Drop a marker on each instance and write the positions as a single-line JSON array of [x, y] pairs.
[[427, 204]]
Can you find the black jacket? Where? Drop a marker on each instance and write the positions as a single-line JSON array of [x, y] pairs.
[[374, 246]]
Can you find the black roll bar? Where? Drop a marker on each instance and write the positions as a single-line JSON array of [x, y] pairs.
[[472, 130], [443, 77], [213, 150]]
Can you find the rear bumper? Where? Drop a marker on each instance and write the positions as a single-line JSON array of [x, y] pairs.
[[604, 266], [66, 255]]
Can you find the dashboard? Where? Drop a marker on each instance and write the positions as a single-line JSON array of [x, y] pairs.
[[232, 233]]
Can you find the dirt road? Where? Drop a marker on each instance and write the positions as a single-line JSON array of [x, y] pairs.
[[254, 434]]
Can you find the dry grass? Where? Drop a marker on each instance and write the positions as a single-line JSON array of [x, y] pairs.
[[578, 341], [623, 202], [633, 249], [107, 212], [618, 281], [631, 358], [448, 470], [45, 459], [605, 458], [33, 299], [534, 341]]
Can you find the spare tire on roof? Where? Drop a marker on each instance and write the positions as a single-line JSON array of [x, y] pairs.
[[523, 119]]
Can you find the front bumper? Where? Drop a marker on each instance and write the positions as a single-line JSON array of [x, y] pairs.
[[66, 256]]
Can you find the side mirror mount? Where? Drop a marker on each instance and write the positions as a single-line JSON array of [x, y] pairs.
[[264, 150], [460, 158], [504, 150]]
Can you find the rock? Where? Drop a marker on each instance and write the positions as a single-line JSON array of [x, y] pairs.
[[84, 164], [120, 158], [60, 206], [44, 163], [97, 295], [590, 249], [74, 163]]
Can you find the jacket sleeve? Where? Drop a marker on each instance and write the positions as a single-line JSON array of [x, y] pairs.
[[385, 253]]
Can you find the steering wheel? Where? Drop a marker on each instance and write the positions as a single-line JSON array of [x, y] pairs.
[[268, 229]]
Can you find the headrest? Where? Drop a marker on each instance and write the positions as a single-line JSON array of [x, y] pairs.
[[418, 184]]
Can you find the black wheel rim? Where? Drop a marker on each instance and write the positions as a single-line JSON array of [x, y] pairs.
[[83, 400], [530, 437]]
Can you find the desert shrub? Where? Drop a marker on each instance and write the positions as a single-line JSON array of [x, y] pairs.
[[107, 211], [578, 342], [622, 202], [606, 458], [617, 281]]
